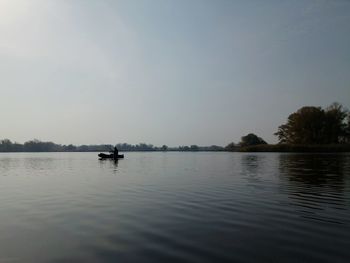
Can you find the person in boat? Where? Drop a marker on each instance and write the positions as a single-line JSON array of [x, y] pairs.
[[115, 152]]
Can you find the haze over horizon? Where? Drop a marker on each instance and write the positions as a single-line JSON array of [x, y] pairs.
[[167, 72]]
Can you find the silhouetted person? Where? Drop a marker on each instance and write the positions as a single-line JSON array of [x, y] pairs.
[[115, 152]]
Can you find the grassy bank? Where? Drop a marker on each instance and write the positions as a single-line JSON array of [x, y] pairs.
[[296, 148]]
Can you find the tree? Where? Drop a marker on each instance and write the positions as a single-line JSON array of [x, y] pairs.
[[314, 125], [184, 148], [194, 148], [231, 147], [347, 130], [335, 126], [302, 127], [6, 145], [164, 148], [251, 139]]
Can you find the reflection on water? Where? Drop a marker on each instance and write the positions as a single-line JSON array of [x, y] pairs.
[[175, 207], [323, 170], [316, 183], [252, 166], [109, 164]]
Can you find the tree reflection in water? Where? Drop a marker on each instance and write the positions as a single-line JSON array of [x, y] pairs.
[[315, 183]]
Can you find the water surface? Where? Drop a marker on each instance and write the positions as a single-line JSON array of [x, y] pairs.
[[175, 207]]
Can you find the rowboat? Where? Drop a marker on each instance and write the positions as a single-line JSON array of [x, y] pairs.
[[110, 156]]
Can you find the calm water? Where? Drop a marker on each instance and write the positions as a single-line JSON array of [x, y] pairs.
[[175, 207]]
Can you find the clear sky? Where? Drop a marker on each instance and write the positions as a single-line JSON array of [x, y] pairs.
[[167, 72]]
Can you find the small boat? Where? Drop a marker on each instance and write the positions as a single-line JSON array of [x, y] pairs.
[[110, 156]]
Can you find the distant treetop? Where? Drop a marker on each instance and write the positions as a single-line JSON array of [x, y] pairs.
[[251, 139]]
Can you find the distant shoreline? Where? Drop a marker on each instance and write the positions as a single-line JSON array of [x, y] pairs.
[[289, 148], [297, 148], [6, 146]]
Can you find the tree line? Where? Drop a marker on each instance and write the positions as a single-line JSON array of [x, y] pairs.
[[125, 147], [308, 129], [38, 146]]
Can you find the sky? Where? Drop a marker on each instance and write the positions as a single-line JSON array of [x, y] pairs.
[[167, 72]]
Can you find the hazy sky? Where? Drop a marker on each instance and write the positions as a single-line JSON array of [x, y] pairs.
[[167, 72]]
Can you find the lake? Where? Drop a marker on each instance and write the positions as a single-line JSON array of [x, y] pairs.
[[175, 207]]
